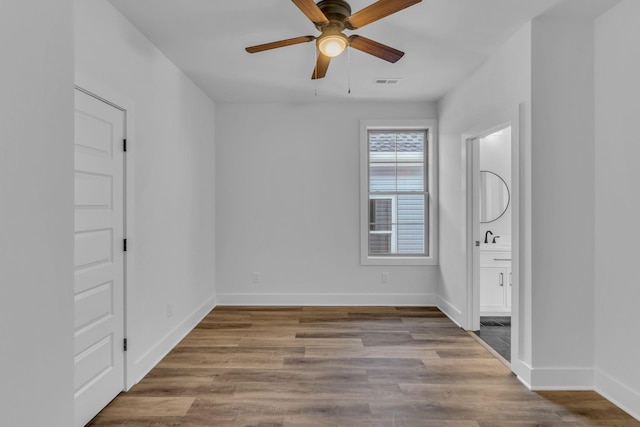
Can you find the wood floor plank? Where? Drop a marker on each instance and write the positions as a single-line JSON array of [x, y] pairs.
[[181, 387], [271, 407], [326, 391], [210, 341], [509, 391], [460, 410], [133, 407], [374, 352], [222, 362], [305, 342], [469, 352], [342, 366], [376, 422], [338, 375], [350, 309], [351, 362]]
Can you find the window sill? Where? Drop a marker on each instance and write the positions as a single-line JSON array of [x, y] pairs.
[[400, 261]]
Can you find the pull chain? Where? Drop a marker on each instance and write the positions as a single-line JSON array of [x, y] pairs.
[[349, 68], [315, 71]]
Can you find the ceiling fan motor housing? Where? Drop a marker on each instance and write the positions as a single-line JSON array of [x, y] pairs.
[[336, 11]]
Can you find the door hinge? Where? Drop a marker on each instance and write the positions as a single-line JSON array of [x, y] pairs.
[[124, 344], [124, 245], [124, 145]]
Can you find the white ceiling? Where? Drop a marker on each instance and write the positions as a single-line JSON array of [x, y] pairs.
[[443, 41]]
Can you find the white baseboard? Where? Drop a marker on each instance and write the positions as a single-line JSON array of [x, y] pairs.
[[611, 389], [522, 371], [618, 393], [149, 359], [495, 313], [540, 379], [329, 299], [451, 311], [562, 379]]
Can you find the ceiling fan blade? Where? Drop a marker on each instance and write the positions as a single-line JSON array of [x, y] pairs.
[[376, 11], [312, 11], [281, 43], [376, 49], [322, 65]]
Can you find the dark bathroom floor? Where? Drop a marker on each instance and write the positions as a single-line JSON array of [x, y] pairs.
[[496, 331]]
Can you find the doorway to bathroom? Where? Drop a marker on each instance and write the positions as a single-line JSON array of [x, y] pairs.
[[491, 226]]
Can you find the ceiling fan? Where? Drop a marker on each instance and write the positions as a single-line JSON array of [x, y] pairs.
[[331, 18]]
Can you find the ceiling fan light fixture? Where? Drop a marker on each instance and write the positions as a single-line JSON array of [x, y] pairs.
[[332, 45]]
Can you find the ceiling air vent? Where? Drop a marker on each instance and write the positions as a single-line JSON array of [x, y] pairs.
[[387, 81]]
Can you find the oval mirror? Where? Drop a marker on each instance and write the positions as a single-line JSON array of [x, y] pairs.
[[494, 196]]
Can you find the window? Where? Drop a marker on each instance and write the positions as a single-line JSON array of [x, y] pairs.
[[398, 193]]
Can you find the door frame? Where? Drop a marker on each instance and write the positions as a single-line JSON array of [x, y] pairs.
[[513, 118], [473, 220], [116, 100]]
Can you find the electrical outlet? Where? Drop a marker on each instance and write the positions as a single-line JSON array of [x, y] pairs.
[[385, 277], [256, 277], [170, 309]]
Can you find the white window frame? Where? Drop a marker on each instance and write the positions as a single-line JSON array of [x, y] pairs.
[[432, 191]]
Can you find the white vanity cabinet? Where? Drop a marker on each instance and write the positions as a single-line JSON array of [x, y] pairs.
[[495, 283]]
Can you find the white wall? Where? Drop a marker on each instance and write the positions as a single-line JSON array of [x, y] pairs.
[[36, 213], [172, 243], [488, 98], [562, 159], [548, 66], [288, 207], [617, 150]]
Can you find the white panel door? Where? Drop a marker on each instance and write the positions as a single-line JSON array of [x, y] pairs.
[[99, 256]]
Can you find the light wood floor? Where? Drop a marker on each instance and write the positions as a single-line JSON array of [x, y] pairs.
[[342, 366]]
